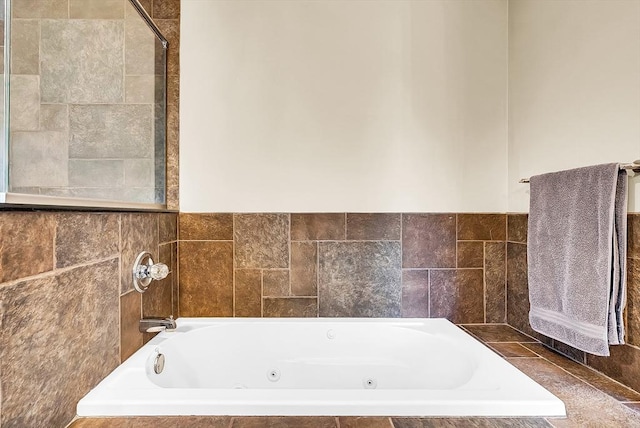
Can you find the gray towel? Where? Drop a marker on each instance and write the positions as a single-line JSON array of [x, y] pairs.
[[576, 254]]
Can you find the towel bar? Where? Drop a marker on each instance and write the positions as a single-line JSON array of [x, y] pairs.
[[633, 166]]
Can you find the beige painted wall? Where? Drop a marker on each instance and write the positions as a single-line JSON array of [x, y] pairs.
[[574, 88], [343, 106]]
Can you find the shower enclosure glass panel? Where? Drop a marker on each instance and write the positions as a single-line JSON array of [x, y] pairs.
[[86, 93]]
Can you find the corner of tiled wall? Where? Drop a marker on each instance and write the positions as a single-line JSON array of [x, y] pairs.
[[624, 362]]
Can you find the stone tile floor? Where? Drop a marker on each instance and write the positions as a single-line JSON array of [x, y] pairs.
[[591, 398]]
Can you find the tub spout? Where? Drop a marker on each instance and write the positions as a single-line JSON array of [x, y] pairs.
[[154, 325]]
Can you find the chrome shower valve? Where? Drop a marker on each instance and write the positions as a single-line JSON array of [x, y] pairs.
[[145, 271]]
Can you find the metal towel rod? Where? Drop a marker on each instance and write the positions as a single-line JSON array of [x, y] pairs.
[[633, 166]]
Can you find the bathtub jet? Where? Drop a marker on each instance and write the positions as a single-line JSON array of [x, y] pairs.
[[317, 367]]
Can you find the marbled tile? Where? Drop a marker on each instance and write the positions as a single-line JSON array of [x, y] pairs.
[[495, 280], [54, 117], [111, 131], [586, 406], [428, 240], [622, 365], [96, 9], [248, 293], [470, 254], [364, 422], [170, 28], [518, 288], [517, 225], [40, 8], [207, 227], [26, 244], [39, 159], [359, 279], [482, 227], [304, 268], [206, 279], [462, 422], [512, 350], [154, 422], [373, 227], [167, 227], [633, 302], [568, 351], [130, 315], [173, 146], [318, 227], [85, 237], [305, 307], [25, 46], [58, 339], [597, 380], [81, 61], [457, 295], [139, 89], [633, 235], [139, 232], [497, 333], [166, 9], [283, 422], [415, 294], [261, 241], [275, 283], [157, 301], [24, 108], [137, 172]]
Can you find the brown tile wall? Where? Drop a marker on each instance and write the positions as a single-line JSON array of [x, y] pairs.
[[343, 265], [624, 362], [68, 315]]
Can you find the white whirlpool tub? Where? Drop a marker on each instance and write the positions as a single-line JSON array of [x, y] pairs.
[[320, 366]]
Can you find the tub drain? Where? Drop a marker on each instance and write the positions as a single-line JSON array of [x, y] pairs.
[[273, 375], [369, 383]]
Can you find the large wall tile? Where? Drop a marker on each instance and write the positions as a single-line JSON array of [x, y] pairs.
[[110, 131], [373, 227], [24, 108], [633, 236], [248, 293], [359, 279], [40, 8], [429, 240], [304, 268], [276, 283], [485, 227], [317, 227], [139, 54], [518, 288], [96, 173], [81, 61], [297, 307], [139, 233], [39, 159], [96, 9], [623, 365], [495, 273], [517, 228], [166, 9], [633, 302], [470, 254], [54, 117], [415, 293], [167, 227], [25, 46], [58, 339], [206, 278], [261, 241], [130, 315], [457, 295], [206, 227], [84, 237], [26, 244]]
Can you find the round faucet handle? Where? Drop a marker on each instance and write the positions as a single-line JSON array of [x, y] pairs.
[[158, 271]]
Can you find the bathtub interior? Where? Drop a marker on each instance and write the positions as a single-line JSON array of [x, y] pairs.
[[318, 367]]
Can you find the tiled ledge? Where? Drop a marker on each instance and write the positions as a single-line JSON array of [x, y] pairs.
[[592, 399]]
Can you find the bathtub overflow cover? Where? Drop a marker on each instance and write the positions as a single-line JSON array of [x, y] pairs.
[[331, 334], [158, 364], [273, 375], [370, 383]]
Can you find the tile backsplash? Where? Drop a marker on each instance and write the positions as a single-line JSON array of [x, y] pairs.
[[343, 265]]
